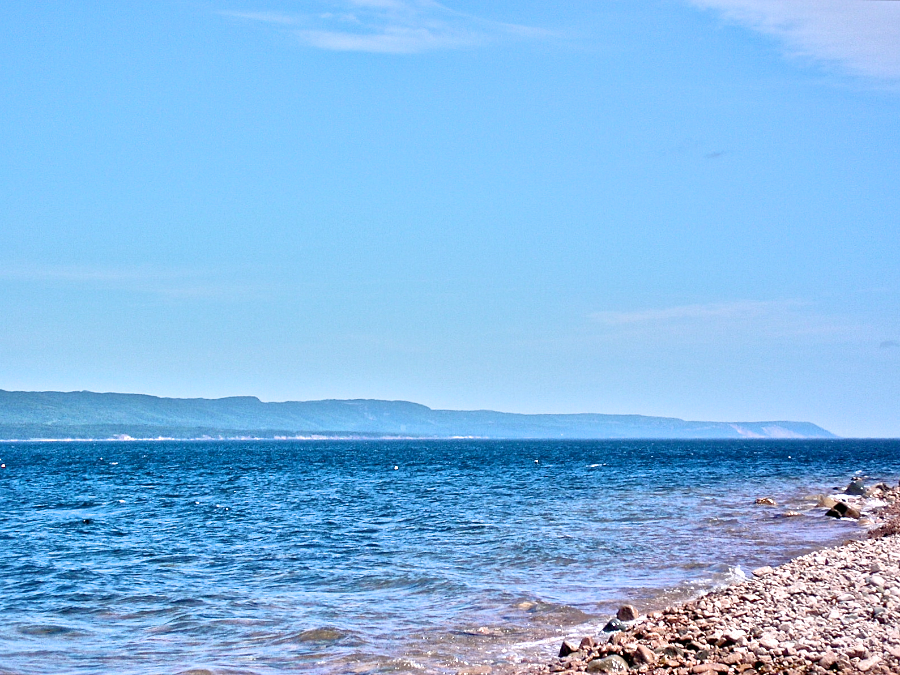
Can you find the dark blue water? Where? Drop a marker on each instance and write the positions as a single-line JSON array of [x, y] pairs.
[[401, 556]]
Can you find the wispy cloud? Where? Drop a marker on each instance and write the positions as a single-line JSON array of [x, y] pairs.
[[390, 26], [745, 319], [862, 36], [725, 310], [890, 344]]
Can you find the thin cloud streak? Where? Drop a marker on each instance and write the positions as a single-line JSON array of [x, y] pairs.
[[862, 37], [391, 27], [732, 321], [729, 310]]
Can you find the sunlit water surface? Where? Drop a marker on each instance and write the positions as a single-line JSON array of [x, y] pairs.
[[399, 556]]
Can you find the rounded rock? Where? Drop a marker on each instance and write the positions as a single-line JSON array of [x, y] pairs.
[[609, 664], [627, 613], [613, 625]]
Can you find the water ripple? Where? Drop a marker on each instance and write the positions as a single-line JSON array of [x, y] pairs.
[[265, 557]]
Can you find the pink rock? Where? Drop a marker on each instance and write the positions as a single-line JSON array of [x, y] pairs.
[[868, 663], [828, 660], [568, 647], [644, 655], [768, 643]]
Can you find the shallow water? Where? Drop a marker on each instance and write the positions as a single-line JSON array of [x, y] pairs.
[[349, 556]]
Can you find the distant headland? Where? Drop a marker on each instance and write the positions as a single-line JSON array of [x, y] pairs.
[[26, 415]]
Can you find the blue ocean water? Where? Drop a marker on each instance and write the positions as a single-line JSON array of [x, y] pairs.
[[381, 556]]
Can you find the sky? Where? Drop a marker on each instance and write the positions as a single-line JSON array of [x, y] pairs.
[[686, 208]]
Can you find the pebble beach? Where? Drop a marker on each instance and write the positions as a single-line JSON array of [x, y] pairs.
[[833, 610]]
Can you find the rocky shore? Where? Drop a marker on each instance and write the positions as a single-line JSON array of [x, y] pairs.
[[836, 609]]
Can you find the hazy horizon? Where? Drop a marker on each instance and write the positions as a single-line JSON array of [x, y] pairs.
[[678, 208]]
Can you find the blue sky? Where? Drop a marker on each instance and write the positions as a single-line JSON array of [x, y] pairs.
[[680, 208]]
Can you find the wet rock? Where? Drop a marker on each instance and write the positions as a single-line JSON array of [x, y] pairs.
[[846, 510], [763, 571], [766, 501], [586, 643], [614, 625], [326, 634], [627, 613], [833, 513], [608, 664], [568, 647], [856, 487], [826, 502]]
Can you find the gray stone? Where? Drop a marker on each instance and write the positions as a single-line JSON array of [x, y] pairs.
[[856, 487], [609, 664], [613, 625]]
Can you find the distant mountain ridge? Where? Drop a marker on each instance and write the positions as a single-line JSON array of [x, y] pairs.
[[83, 414]]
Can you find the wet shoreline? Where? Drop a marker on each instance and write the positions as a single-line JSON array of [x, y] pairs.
[[834, 609]]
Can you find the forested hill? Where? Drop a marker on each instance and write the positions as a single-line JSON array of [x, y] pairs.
[[83, 414]]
